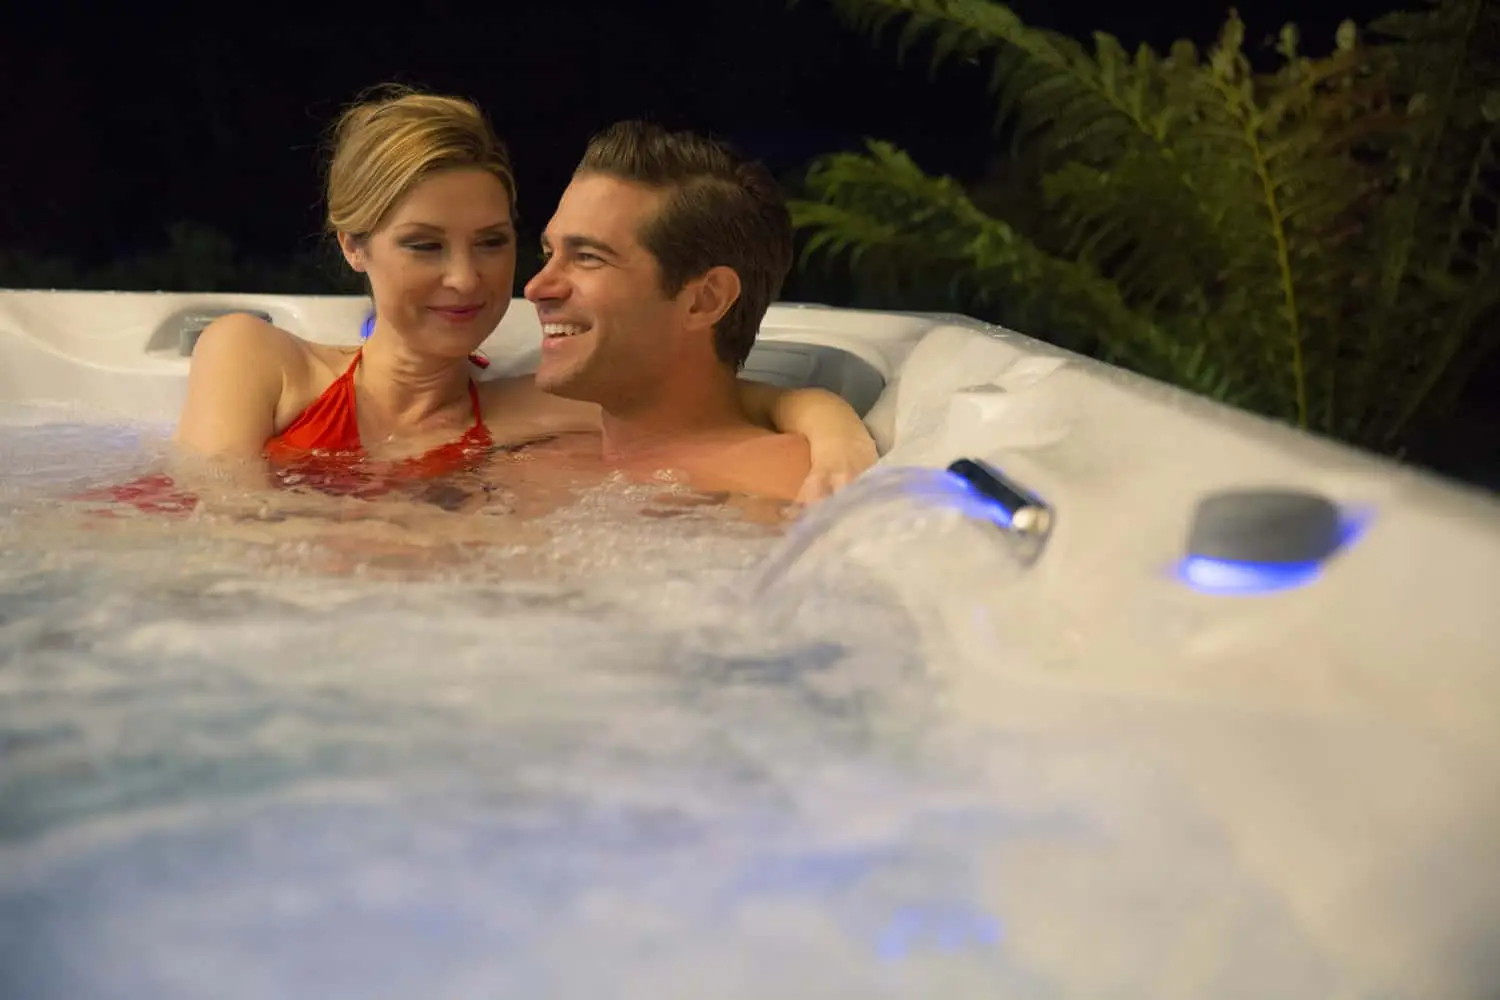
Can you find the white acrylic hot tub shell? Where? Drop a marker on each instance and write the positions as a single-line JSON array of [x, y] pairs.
[[1388, 856], [1122, 459]]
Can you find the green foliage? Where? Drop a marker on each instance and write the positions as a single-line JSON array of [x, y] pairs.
[[1315, 240], [193, 258]]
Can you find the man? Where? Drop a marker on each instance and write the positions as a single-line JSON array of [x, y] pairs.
[[659, 264]]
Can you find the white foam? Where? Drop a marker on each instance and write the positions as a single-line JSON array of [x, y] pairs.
[[597, 765]]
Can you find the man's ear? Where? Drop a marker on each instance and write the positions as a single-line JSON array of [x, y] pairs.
[[712, 296], [354, 250]]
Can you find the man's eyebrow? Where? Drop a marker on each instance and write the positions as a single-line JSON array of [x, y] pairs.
[[576, 242]]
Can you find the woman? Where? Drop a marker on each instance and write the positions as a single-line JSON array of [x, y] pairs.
[[421, 197]]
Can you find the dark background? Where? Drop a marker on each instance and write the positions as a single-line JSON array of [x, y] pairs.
[[118, 122]]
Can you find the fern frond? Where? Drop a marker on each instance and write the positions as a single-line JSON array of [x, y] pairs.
[[883, 203], [1318, 242], [1442, 67], [1138, 222], [1213, 147], [1289, 191], [1238, 214], [1465, 276], [1048, 86], [1472, 232]]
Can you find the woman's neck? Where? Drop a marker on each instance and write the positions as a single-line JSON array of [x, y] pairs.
[[406, 390]]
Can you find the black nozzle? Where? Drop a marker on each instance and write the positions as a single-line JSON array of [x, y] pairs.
[[993, 485]]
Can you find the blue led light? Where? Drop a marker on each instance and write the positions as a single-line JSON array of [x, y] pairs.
[[368, 327], [945, 489], [1232, 577], [977, 504], [923, 925], [940, 926], [990, 491], [1227, 576]]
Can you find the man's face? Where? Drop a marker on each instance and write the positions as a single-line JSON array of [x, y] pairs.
[[608, 330]]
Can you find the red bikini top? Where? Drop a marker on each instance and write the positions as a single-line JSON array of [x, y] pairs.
[[330, 425], [321, 450]]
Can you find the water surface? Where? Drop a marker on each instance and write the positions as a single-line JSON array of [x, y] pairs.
[[601, 751]]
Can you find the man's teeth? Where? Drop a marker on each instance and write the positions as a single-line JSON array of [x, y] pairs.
[[561, 329]]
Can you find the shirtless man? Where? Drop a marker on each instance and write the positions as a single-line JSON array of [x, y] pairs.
[[660, 262]]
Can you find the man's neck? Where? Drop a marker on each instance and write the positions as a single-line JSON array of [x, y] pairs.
[[687, 411]]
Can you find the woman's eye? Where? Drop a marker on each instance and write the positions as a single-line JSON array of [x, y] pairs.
[[424, 247]]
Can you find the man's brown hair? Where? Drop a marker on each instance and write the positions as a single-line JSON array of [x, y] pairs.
[[720, 210]]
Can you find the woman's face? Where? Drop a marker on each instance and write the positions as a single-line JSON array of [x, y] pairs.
[[442, 265]]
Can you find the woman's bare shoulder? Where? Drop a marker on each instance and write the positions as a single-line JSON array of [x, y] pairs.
[[240, 346], [323, 362], [242, 337]]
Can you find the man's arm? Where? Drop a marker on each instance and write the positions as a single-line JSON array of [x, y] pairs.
[[841, 447]]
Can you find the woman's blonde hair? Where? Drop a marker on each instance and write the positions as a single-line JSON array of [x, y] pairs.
[[395, 137]]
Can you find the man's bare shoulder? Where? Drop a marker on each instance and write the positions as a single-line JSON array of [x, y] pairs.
[[765, 464]]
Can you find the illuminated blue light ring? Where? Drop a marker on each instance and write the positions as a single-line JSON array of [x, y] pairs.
[[368, 326], [1235, 577], [1229, 576], [942, 926]]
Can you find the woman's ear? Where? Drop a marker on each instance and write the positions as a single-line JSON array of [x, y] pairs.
[[354, 250], [713, 295]]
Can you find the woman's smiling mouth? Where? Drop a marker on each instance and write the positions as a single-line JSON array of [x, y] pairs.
[[457, 314]]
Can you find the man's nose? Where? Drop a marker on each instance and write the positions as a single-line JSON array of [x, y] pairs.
[[546, 284]]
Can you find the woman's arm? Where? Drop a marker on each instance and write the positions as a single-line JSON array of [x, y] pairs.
[[235, 379], [840, 444], [234, 383]]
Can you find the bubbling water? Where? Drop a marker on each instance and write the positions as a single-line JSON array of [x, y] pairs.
[[637, 745]]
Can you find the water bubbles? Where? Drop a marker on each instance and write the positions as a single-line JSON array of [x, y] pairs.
[[444, 743]]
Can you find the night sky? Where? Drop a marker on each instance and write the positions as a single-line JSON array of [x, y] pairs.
[[118, 122]]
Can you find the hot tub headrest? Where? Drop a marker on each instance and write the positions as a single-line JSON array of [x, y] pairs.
[[790, 364], [796, 365]]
